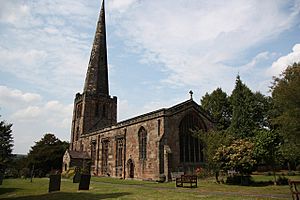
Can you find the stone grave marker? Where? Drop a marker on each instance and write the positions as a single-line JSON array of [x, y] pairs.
[[54, 183], [76, 178], [84, 183]]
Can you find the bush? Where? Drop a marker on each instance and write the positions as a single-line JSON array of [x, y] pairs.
[[202, 172], [282, 180], [290, 173], [69, 173], [162, 178], [268, 173], [239, 180]]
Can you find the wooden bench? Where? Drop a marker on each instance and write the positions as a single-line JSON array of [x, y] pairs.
[[294, 190], [191, 179]]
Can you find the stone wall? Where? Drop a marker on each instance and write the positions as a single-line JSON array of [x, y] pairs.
[[143, 169]]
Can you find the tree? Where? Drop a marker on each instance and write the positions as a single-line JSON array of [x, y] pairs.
[[242, 123], [211, 141], [219, 108], [262, 106], [267, 148], [286, 96], [6, 144], [47, 154], [237, 156]]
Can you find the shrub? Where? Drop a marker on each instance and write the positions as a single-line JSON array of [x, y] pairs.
[[282, 180], [239, 180], [202, 172], [290, 173], [69, 173]]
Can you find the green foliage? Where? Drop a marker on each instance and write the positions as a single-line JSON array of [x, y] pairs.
[[286, 95], [282, 180], [18, 165], [242, 123], [262, 107], [69, 173], [267, 147], [250, 111], [6, 144], [47, 154], [291, 154], [218, 107], [238, 156], [211, 141]]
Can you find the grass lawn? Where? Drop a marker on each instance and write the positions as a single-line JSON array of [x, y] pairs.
[[110, 188]]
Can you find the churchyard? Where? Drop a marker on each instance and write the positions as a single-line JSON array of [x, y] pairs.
[[112, 188]]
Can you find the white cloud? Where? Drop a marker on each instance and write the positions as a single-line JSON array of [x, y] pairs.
[[29, 113], [11, 12], [13, 97], [32, 117], [120, 5], [284, 61], [193, 39]]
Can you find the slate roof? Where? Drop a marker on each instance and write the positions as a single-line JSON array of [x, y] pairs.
[[79, 155]]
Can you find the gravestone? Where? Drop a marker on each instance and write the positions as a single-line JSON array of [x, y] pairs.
[[84, 183], [54, 183], [76, 178]]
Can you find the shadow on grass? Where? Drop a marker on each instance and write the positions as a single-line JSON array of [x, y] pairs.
[[8, 190], [70, 196]]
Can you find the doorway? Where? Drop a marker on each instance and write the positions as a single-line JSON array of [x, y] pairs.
[[130, 167]]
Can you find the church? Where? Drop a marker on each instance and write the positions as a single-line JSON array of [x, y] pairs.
[[145, 147]]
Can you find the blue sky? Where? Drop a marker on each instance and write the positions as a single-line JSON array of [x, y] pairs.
[[157, 51]]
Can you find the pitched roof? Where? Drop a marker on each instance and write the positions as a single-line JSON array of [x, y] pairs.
[[79, 155]]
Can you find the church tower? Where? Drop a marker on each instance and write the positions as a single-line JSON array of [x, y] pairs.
[[95, 109]]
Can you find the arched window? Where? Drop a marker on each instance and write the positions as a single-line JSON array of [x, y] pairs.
[[142, 143], [191, 150]]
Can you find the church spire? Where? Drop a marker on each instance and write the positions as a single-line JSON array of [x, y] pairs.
[[97, 74]]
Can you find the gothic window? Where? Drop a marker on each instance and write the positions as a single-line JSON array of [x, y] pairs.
[[119, 156], [105, 144], [190, 146], [142, 143]]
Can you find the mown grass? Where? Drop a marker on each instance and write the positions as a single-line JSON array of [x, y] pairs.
[[111, 188]]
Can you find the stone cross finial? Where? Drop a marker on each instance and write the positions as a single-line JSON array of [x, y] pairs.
[[191, 93]]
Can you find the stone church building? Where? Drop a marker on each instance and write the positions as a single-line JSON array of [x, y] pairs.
[[144, 147]]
